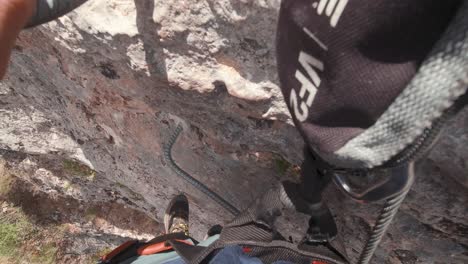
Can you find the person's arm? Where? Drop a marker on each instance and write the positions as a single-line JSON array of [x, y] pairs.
[[14, 14]]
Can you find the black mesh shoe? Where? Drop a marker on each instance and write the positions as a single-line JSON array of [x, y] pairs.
[[176, 217]]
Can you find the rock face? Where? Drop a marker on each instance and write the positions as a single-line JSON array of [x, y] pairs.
[[103, 89]]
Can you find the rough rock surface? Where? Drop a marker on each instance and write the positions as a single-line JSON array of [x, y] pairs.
[[107, 85]]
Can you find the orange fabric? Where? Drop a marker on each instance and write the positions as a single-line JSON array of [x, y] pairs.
[[157, 248], [119, 249], [246, 249], [318, 262]]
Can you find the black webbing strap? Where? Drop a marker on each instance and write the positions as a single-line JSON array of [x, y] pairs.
[[254, 229]]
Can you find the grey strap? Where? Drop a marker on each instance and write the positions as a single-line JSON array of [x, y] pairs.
[[441, 80]]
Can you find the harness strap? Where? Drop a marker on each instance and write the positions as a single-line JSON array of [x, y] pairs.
[[254, 230]]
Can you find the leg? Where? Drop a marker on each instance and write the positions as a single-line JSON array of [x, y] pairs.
[[314, 180]]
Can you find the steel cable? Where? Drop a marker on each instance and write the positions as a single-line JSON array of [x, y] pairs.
[[190, 179]]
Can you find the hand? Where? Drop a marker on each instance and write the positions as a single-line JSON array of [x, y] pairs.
[[14, 14]]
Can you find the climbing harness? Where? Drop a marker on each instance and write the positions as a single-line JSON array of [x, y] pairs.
[[394, 189]]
